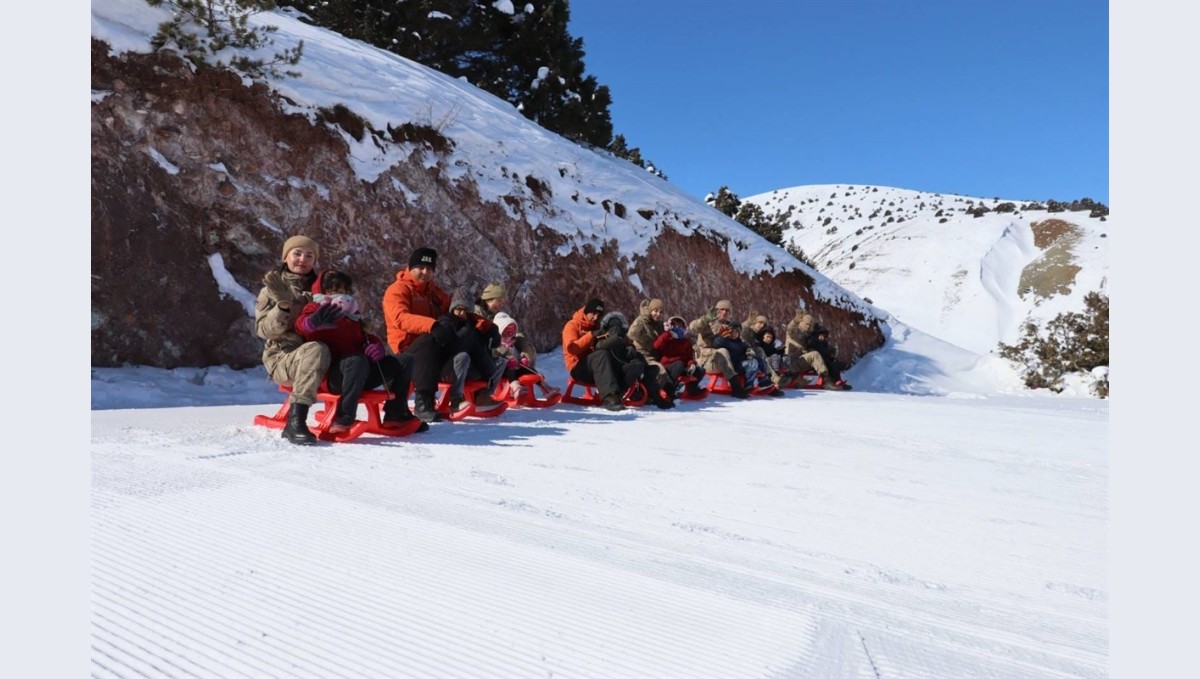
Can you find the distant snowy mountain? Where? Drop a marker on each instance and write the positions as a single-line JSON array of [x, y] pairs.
[[926, 259]]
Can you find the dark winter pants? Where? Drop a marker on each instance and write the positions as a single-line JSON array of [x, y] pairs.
[[428, 358], [354, 374], [835, 367], [472, 360], [603, 370]]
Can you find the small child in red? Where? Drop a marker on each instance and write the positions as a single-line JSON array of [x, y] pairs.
[[358, 359], [678, 354]]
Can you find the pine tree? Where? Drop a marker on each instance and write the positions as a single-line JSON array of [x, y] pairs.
[[223, 24], [726, 202]]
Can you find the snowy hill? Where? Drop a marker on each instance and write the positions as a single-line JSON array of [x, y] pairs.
[[937, 521], [971, 281], [199, 175]]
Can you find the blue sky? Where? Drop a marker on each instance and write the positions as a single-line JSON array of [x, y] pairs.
[[978, 97]]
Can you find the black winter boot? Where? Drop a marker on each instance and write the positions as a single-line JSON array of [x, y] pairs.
[[738, 387], [829, 383], [297, 430], [657, 398], [423, 407]]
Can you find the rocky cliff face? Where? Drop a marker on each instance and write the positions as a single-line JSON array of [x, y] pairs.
[[189, 165]]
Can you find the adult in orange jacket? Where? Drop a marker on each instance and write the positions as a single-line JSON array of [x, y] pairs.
[[587, 355], [417, 314]]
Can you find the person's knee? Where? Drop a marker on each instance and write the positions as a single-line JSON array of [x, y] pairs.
[[312, 357]]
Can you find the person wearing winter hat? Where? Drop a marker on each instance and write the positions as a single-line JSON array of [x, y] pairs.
[[588, 361], [517, 363], [492, 301], [358, 359], [646, 328], [289, 359], [412, 307], [711, 357], [803, 356], [818, 340], [677, 355], [772, 351], [754, 324], [471, 357]]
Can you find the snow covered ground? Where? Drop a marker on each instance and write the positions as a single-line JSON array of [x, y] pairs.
[[938, 521], [859, 534]]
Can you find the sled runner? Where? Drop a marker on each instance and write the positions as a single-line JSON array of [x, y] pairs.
[[634, 397], [470, 389], [717, 384], [686, 381], [528, 395], [372, 400]]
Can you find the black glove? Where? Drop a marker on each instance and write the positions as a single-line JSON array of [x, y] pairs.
[[443, 332], [324, 318]]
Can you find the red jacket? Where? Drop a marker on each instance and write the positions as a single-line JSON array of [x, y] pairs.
[[346, 339], [577, 338], [673, 348]]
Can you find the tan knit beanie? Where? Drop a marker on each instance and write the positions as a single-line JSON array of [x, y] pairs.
[[656, 304], [301, 242], [492, 291]]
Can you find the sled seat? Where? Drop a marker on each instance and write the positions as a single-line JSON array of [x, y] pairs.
[[528, 397], [808, 379], [684, 381], [373, 401], [470, 389], [635, 396], [716, 383]]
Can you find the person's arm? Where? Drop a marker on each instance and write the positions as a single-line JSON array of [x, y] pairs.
[[398, 313], [578, 343]]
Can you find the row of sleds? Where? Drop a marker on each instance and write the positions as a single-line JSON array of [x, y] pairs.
[[527, 391]]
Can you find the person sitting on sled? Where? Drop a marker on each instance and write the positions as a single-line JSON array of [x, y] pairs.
[[587, 362], [729, 337], [802, 356], [491, 303], [772, 351], [678, 356], [713, 358], [818, 341], [358, 359], [646, 328], [518, 361], [289, 359], [471, 359]]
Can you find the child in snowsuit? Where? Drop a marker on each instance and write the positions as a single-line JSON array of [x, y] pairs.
[[358, 359], [472, 357], [517, 362], [818, 341], [772, 350], [729, 337], [678, 356]]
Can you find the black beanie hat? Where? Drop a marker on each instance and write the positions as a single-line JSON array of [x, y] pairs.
[[423, 257], [594, 305]]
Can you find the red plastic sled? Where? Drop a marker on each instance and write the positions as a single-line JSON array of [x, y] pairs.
[[531, 384], [634, 397], [469, 390], [684, 395], [806, 380], [373, 400], [717, 384]]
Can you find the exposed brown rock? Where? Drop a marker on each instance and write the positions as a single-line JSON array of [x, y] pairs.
[[249, 174], [1053, 273]]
